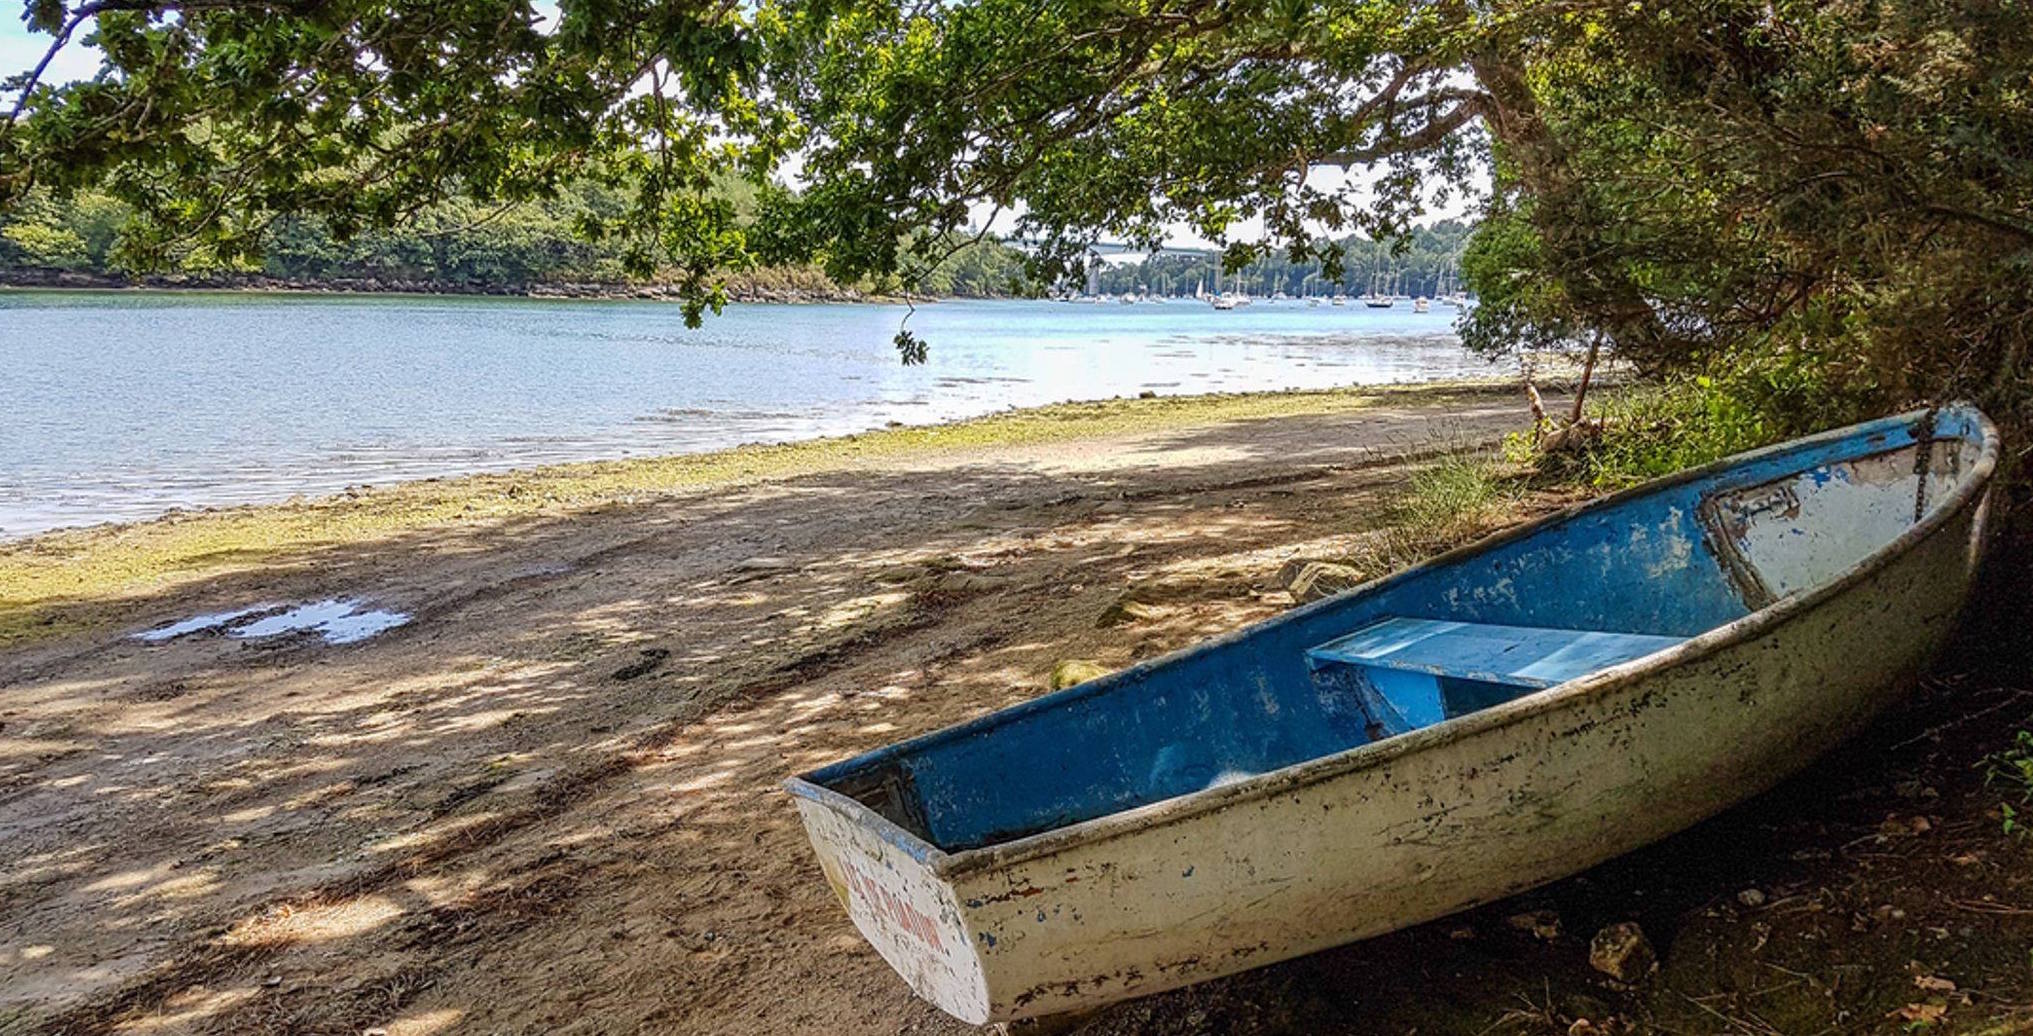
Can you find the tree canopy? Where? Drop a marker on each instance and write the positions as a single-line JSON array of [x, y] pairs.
[[212, 118], [1837, 192], [1829, 201]]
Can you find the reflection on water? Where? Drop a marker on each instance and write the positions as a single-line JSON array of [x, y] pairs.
[[123, 406]]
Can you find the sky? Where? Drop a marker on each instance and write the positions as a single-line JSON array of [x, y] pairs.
[[21, 49]]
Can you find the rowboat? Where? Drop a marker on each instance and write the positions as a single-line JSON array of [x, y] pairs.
[[1499, 717]]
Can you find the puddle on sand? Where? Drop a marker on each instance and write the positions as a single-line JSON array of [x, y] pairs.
[[198, 624], [339, 620]]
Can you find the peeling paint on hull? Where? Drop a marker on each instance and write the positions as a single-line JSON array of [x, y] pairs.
[[1413, 827]]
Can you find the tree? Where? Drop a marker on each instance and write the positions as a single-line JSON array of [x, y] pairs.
[[39, 244], [454, 244], [1826, 207], [1425, 261], [1090, 118], [212, 118], [1834, 195]]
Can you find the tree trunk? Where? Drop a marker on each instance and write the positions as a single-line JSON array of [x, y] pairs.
[[1587, 372]]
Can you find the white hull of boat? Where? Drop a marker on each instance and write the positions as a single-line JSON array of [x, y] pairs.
[[1406, 829]]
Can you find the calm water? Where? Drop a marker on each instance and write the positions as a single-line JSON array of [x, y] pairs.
[[122, 406]]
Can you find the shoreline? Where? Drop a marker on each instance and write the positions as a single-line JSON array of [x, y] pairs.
[[55, 581], [64, 280]]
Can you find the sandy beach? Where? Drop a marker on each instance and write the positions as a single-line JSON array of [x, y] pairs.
[[547, 800]]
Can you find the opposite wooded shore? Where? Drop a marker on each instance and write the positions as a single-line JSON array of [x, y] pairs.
[[791, 290]]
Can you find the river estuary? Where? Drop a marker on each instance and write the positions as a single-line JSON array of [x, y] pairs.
[[118, 406]]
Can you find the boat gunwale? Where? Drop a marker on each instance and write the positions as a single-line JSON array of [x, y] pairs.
[[1164, 812]]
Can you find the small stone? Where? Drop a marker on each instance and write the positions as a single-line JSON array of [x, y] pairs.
[[1622, 952], [1934, 983], [1751, 898], [1125, 611], [646, 662], [1895, 827], [1543, 923], [1313, 580], [1915, 790], [965, 583], [1919, 1015], [1075, 671]]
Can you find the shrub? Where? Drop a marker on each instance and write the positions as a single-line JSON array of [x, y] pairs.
[[2012, 770]]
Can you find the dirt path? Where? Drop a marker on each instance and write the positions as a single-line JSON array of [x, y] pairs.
[[549, 802]]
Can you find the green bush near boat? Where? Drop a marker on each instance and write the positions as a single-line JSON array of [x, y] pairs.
[[1647, 429], [2011, 772]]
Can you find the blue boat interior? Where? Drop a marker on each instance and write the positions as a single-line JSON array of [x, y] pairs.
[[1598, 588]]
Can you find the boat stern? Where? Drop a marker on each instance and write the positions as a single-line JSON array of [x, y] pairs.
[[883, 875]]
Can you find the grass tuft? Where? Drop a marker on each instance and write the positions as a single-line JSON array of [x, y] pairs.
[[1460, 493]]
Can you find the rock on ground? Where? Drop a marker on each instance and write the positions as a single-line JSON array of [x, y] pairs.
[[1622, 952], [1309, 580], [1076, 671]]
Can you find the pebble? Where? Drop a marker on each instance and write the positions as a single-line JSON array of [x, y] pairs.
[[1751, 898], [1312, 580], [1075, 671], [1622, 952], [1543, 923], [1124, 612]]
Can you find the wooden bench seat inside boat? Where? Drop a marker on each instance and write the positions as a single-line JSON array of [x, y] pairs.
[[1408, 673]]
